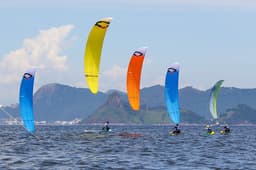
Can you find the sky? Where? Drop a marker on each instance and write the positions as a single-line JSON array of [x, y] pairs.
[[211, 40]]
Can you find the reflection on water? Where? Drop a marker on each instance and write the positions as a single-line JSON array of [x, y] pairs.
[[126, 147]]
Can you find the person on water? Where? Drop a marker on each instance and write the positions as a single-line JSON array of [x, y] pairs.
[[226, 129], [176, 129], [106, 127], [209, 130]]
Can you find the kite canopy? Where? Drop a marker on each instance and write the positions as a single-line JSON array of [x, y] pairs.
[[133, 77], [171, 92], [26, 100], [213, 98], [93, 53]]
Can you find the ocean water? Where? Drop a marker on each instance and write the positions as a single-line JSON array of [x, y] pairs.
[[68, 147]]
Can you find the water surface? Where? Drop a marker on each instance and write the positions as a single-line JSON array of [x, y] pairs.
[[67, 147]]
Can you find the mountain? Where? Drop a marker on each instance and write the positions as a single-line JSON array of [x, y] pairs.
[[240, 115], [7, 112], [60, 102], [116, 110], [153, 96], [198, 100]]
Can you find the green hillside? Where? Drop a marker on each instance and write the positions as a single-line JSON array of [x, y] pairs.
[[240, 114], [117, 111]]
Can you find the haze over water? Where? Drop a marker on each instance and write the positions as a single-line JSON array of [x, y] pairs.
[[67, 147]]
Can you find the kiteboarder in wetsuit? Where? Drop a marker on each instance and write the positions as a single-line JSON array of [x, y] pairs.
[[226, 129], [106, 127], [209, 130], [176, 129]]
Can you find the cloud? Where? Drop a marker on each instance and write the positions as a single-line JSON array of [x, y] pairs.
[[42, 51], [114, 78]]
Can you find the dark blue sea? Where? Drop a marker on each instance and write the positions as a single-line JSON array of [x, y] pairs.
[[126, 147]]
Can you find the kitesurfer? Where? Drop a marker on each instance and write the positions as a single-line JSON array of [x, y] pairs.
[[106, 127], [209, 130], [176, 129], [226, 129]]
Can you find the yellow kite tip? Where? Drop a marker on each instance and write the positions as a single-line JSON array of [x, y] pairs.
[[94, 91]]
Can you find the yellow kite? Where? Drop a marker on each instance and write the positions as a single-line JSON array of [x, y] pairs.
[[93, 53]]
